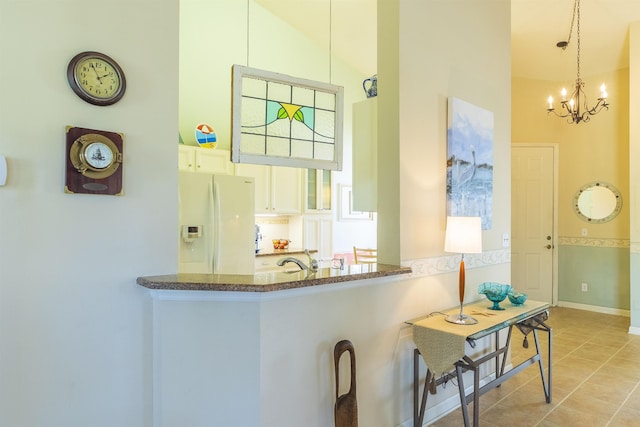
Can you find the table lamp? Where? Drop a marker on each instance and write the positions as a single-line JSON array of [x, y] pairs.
[[463, 235]]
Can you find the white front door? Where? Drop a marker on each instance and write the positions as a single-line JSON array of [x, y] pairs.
[[532, 220]]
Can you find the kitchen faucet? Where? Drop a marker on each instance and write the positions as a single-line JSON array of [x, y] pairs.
[[296, 261], [313, 263]]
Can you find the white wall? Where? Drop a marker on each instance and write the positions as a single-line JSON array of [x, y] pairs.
[[474, 65], [429, 51], [634, 174], [206, 359], [74, 326]]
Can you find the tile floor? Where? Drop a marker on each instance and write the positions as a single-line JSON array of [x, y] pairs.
[[596, 378]]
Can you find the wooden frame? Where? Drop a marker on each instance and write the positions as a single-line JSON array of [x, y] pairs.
[[285, 121]]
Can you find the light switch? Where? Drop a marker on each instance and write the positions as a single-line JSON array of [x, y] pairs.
[[506, 241], [584, 232], [3, 170]]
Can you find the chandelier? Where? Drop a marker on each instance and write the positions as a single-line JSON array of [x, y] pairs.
[[575, 109]]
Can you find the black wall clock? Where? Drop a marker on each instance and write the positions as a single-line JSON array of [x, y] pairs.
[[96, 78]]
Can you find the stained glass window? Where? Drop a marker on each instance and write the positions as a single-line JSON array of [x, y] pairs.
[[285, 121]]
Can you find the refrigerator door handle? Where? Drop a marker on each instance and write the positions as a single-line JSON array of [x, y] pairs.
[[214, 201]]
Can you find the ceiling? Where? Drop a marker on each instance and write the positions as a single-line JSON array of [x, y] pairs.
[[536, 27]]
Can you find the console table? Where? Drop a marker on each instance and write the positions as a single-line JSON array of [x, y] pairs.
[[442, 346]]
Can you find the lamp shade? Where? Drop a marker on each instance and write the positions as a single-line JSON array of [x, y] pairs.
[[463, 235]]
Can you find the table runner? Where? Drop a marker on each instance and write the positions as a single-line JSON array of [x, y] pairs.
[[441, 343]]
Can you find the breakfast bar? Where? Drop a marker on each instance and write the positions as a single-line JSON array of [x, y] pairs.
[[219, 341], [286, 278]]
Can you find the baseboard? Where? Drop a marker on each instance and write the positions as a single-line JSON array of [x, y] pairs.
[[595, 308], [634, 330], [444, 408]]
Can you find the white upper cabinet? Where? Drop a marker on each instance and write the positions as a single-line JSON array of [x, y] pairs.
[[278, 189], [206, 160], [318, 191], [261, 175], [365, 155], [286, 190]]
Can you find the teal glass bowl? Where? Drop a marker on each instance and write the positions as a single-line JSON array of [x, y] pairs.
[[517, 298], [495, 292]]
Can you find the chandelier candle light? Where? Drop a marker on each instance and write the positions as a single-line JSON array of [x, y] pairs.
[[576, 109], [463, 234]]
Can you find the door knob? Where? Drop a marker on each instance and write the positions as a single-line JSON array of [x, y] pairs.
[[548, 246]]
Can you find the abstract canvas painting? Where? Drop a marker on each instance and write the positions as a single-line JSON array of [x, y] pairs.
[[470, 161]]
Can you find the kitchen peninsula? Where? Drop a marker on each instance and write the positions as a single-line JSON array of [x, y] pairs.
[[225, 347]]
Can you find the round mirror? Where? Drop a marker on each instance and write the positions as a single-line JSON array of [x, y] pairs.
[[597, 202]]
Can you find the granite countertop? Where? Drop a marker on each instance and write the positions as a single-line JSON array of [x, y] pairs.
[[270, 281], [295, 251]]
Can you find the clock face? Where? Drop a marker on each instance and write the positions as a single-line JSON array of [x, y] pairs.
[[98, 155], [97, 78]]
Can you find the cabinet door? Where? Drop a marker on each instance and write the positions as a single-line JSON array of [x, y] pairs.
[[326, 190], [186, 158], [318, 234], [196, 159], [326, 238], [261, 174], [319, 192], [268, 263], [286, 190], [214, 161]]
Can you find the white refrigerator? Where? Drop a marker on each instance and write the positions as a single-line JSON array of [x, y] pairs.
[[217, 224]]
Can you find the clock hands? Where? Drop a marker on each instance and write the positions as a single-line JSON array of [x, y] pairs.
[[98, 76], [96, 71]]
